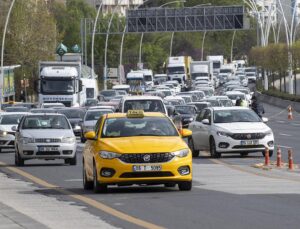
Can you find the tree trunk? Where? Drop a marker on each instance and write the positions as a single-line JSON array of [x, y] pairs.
[[280, 80], [284, 83], [295, 76], [273, 79]]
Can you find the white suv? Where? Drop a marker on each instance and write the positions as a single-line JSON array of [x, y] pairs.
[[230, 130]]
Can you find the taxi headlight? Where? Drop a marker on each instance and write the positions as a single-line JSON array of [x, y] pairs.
[[3, 133], [109, 155], [223, 134], [26, 140], [68, 140], [181, 153]]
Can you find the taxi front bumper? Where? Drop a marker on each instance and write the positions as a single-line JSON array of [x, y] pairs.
[[173, 171]]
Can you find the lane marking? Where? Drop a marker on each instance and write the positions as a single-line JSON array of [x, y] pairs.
[[236, 167], [72, 180], [287, 135], [96, 204]]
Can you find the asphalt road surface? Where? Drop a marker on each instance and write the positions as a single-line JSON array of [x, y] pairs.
[[227, 193]]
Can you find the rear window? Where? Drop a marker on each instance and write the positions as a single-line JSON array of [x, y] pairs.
[[146, 105]]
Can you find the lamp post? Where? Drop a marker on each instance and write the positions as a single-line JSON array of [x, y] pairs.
[[93, 39], [2, 50], [231, 53]]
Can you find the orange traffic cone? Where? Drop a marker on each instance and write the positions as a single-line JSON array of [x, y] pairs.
[[291, 163], [278, 157], [290, 114], [267, 157]]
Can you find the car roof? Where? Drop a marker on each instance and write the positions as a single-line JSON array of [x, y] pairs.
[[141, 97], [13, 113], [229, 108], [234, 93], [44, 114], [146, 114]]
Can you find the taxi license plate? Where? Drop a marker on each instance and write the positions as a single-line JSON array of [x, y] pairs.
[[249, 142], [47, 148], [143, 168]]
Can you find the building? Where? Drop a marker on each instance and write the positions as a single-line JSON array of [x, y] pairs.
[[110, 5]]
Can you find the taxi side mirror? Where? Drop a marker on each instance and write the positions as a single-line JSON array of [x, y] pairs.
[[186, 133], [91, 135]]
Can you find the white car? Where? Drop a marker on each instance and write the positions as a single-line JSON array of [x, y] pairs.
[[45, 136], [234, 95], [230, 130], [7, 135]]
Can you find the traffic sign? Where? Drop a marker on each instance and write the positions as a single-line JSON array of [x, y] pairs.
[[76, 49], [61, 49]]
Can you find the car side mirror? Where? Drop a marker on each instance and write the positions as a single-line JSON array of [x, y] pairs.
[[205, 121], [264, 119], [91, 135], [14, 128], [186, 133]]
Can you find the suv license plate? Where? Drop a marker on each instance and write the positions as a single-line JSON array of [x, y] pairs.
[[142, 168], [249, 142], [47, 148]]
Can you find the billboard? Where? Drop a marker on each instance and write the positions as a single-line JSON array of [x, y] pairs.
[[8, 82]]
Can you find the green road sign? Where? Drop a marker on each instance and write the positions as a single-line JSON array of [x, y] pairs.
[[76, 49], [61, 49]]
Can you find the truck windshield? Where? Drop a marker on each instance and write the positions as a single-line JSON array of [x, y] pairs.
[[225, 70], [174, 70], [216, 65], [148, 77], [53, 86]]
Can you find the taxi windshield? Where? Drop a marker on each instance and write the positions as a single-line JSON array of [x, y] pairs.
[[131, 127]]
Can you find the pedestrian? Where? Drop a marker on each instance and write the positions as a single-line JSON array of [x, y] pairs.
[[238, 101], [257, 107]]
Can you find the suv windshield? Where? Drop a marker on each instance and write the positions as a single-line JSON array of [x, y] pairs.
[[146, 105], [228, 116], [72, 113], [45, 122], [130, 127]]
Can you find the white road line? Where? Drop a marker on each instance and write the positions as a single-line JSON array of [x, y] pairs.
[[72, 180], [287, 135], [279, 121]]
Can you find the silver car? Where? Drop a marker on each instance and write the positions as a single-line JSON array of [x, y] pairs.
[[7, 135], [45, 136]]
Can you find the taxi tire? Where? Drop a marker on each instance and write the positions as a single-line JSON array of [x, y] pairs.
[[87, 185], [213, 151], [18, 160], [97, 187], [195, 153], [185, 186]]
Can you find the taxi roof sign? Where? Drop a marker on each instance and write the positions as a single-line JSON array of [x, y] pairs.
[[135, 114]]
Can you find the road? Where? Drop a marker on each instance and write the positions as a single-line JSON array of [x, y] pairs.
[[227, 193]]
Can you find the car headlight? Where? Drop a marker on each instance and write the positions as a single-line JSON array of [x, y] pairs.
[[68, 140], [3, 133], [26, 140], [77, 127], [109, 155], [269, 133], [181, 153], [223, 134]]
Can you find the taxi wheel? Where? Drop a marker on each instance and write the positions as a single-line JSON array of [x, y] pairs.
[[18, 160], [270, 153], [185, 186], [98, 188], [87, 185], [213, 150], [191, 146]]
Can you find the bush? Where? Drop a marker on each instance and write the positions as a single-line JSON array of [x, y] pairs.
[[282, 95]]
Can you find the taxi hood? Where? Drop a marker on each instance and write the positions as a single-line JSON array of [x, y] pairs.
[[143, 144]]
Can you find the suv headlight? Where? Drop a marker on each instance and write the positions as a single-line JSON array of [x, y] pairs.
[[223, 134], [68, 140], [181, 153], [269, 133], [26, 140], [3, 133], [109, 155]]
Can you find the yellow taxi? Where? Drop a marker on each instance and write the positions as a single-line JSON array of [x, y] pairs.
[[136, 148]]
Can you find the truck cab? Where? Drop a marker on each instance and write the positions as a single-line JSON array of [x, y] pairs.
[[178, 68]]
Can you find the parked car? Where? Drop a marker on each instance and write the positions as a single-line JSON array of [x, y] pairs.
[[45, 136], [230, 130]]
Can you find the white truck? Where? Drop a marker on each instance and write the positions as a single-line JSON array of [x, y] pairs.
[[136, 81], [203, 69], [148, 76], [217, 61], [59, 82], [228, 69], [178, 68]]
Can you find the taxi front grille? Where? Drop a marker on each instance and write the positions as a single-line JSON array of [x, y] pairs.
[[249, 136], [133, 158], [146, 174], [47, 140]]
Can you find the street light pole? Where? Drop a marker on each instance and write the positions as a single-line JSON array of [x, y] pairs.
[[2, 50], [202, 46], [231, 53], [93, 39]]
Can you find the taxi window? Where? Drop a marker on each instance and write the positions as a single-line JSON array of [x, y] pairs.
[[130, 127], [146, 105]]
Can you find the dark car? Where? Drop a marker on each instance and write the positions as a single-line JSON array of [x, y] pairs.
[[187, 113], [43, 110], [75, 117], [16, 109], [200, 105]]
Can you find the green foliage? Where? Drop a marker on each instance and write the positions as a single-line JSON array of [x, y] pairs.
[[282, 95]]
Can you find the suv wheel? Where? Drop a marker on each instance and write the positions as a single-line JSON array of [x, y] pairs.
[[73, 160]]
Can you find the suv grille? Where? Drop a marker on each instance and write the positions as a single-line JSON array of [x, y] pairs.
[[146, 157], [248, 136], [47, 140]]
